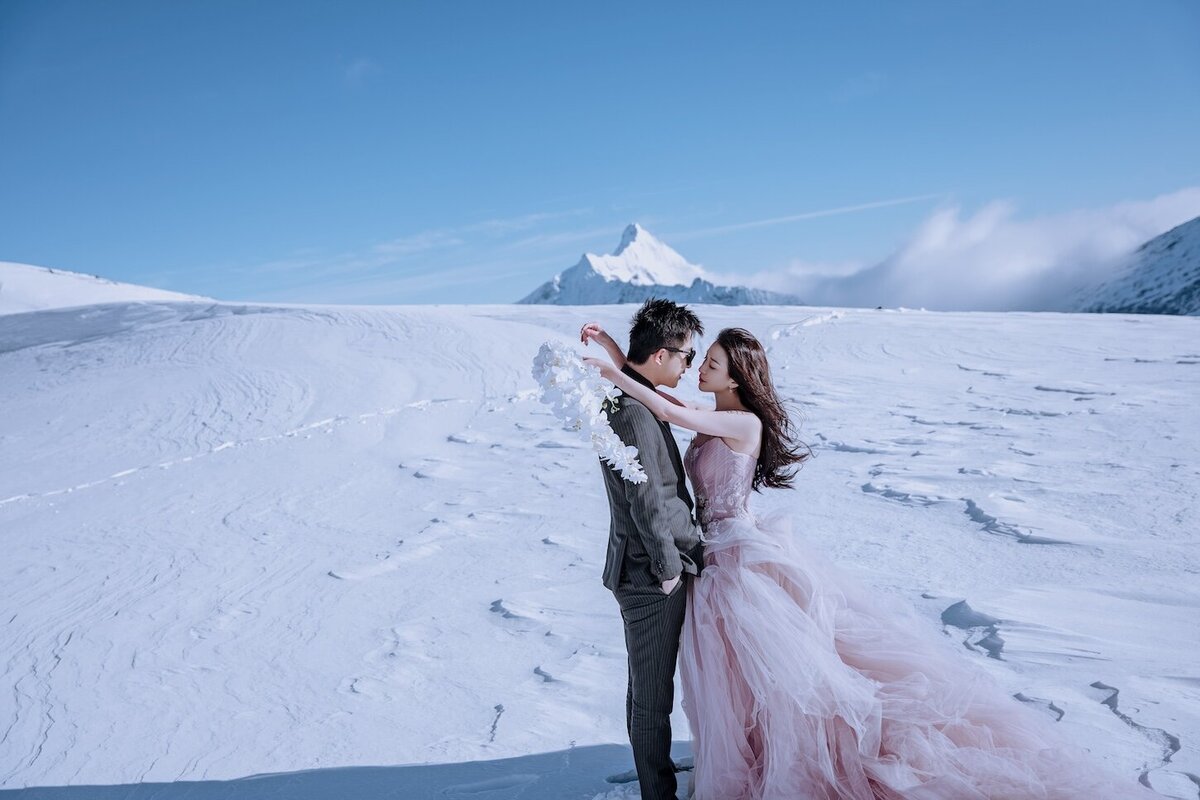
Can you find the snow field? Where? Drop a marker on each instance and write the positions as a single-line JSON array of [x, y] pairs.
[[283, 539]]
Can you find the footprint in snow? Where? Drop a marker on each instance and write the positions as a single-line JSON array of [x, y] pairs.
[[437, 470], [363, 572], [390, 563]]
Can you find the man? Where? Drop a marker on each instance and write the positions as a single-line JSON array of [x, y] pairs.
[[653, 540]]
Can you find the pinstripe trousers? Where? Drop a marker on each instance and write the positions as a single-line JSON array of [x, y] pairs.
[[653, 624]]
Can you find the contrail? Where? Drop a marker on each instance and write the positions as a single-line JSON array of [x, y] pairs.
[[826, 212]]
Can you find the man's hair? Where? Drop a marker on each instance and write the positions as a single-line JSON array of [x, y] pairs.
[[657, 324]]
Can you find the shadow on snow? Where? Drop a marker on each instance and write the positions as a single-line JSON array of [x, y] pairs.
[[579, 772]]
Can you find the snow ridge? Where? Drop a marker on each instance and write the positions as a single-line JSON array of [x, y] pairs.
[[28, 288]]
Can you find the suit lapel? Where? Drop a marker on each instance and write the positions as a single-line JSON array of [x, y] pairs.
[[673, 449], [669, 437]]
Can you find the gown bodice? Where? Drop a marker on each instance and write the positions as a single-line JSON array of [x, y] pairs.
[[721, 478]]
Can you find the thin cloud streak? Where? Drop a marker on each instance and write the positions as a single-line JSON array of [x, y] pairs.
[[827, 212], [436, 244], [522, 222], [543, 240], [402, 289]]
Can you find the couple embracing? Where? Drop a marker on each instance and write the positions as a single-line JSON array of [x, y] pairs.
[[798, 681]]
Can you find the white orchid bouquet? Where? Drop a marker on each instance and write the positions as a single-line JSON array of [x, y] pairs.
[[578, 396]]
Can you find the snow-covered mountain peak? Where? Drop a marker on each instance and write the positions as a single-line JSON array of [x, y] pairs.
[[643, 260], [642, 267], [630, 235]]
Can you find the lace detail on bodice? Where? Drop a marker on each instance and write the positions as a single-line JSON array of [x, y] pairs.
[[722, 479]]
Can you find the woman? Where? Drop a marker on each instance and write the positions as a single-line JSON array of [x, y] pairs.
[[799, 682]]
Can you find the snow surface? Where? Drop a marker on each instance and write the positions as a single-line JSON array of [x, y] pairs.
[[346, 551], [640, 268], [28, 288], [1162, 277]]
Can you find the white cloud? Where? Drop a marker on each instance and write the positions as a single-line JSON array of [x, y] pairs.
[[994, 260], [796, 274]]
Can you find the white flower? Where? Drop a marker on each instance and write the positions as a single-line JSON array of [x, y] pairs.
[[576, 395]]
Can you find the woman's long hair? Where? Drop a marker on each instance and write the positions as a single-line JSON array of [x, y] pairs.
[[780, 452]]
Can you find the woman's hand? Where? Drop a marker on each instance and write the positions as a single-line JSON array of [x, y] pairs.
[[590, 330], [607, 370], [594, 332]]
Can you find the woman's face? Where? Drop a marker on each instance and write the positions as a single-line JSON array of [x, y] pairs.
[[714, 370]]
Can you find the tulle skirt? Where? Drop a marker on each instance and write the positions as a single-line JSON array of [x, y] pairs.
[[801, 682]]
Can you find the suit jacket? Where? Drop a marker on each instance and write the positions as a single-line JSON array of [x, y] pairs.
[[653, 535]]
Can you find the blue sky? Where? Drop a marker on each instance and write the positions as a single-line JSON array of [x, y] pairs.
[[465, 152]]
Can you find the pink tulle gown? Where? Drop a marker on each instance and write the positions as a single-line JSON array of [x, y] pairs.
[[799, 682]]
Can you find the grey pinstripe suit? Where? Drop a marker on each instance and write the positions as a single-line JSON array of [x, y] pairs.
[[652, 538]]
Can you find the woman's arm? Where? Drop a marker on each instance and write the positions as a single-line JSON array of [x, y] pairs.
[[595, 332], [742, 427], [672, 398]]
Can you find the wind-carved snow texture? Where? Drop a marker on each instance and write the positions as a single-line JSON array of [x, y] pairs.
[[1057, 712], [1169, 742], [984, 629], [321, 542], [499, 708]]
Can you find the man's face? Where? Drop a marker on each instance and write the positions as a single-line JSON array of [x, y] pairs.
[[675, 364]]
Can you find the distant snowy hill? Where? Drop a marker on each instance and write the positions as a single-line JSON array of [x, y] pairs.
[[1161, 277], [642, 267], [28, 288]]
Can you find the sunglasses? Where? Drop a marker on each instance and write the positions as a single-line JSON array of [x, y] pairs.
[[688, 355]]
